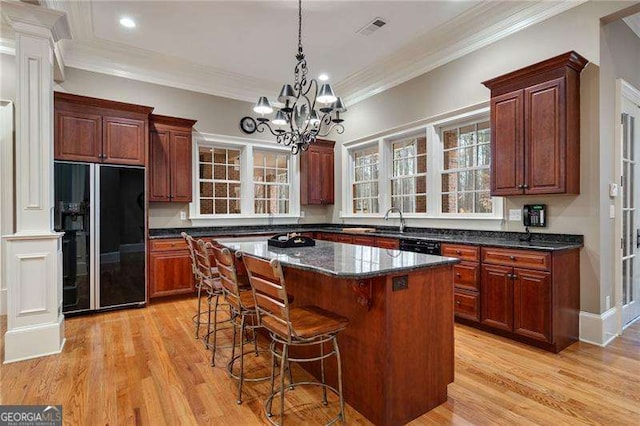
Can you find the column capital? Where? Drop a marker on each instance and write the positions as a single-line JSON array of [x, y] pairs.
[[36, 20]]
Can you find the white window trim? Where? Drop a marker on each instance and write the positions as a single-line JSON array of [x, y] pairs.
[[247, 207], [435, 166]]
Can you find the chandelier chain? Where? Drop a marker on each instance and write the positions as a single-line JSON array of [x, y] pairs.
[[300, 26]]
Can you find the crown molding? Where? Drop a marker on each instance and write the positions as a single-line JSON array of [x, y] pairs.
[[120, 60], [478, 27], [633, 22], [36, 20]]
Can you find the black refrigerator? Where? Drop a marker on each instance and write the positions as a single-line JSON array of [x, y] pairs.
[[101, 210]]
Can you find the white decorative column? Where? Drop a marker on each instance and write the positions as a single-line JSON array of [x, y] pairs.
[[35, 324]]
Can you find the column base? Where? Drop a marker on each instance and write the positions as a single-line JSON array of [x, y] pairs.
[[32, 342]]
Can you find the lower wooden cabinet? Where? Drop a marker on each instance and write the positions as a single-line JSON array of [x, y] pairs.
[[170, 271], [532, 304], [466, 280], [361, 240], [497, 297], [387, 243], [467, 304]]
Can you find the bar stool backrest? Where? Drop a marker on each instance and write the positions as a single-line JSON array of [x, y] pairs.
[[192, 245], [269, 289], [203, 265], [228, 273]]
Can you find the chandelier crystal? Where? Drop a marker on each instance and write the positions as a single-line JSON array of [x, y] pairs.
[[309, 111]]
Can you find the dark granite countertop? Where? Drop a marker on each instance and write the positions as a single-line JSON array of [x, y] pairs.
[[539, 241], [340, 260]]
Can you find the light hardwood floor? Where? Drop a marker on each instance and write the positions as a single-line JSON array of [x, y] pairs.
[[143, 366]]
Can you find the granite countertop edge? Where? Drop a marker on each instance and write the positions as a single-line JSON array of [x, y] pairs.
[[168, 233]]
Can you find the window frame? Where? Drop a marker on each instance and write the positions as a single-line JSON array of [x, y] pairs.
[[247, 189], [432, 129], [352, 178]]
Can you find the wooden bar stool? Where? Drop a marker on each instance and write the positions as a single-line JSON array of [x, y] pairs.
[[209, 281], [243, 313], [197, 318], [292, 327]]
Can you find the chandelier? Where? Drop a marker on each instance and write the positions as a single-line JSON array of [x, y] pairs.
[[298, 123]]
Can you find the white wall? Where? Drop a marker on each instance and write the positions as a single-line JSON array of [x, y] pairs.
[[457, 85]]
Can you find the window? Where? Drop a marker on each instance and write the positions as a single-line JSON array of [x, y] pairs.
[[271, 182], [465, 174], [365, 180], [409, 175], [239, 179], [219, 183]]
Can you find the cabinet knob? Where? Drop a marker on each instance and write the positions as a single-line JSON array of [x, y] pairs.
[[513, 258], [458, 274], [458, 252], [457, 302], [521, 186], [525, 186]]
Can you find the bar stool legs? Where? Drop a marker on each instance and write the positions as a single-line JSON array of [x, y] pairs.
[[285, 361]]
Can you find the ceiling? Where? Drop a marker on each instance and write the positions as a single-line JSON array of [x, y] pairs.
[[633, 22], [242, 49]]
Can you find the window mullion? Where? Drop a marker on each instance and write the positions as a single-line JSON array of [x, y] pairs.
[[247, 206]]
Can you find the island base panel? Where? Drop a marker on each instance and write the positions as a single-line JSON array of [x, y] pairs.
[[397, 352]]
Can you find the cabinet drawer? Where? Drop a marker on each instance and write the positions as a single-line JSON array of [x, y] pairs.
[[168, 244], [363, 240], [518, 258], [466, 275], [470, 253], [466, 305], [344, 238], [388, 243]]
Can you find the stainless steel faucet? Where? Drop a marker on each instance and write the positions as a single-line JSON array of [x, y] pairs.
[[386, 217]]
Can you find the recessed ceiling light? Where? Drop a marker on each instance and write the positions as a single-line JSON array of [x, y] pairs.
[[323, 77], [127, 22]]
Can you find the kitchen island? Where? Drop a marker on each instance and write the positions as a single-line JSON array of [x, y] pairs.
[[398, 350]]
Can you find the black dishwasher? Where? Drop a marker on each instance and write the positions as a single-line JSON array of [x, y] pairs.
[[421, 246]]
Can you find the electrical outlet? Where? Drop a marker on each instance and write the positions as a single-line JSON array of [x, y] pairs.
[[183, 215], [302, 213], [400, 283], [515, 215], [607, 301], [612, 212]]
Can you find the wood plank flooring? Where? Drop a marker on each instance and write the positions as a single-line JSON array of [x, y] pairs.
[[144, 366]]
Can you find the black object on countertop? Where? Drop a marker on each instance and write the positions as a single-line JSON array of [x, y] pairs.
[[291, 240]]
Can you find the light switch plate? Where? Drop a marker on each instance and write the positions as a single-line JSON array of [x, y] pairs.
[[613, 190], [183, 215], [515, 215]]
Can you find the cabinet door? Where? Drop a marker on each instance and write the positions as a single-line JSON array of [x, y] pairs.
[[363, 240], [496, 297], [326, 178], [181, 167], [532, 304], [388, 243], [507, 148], [123, 141], [170, 273], [545, 139], [314, 176], [159, 167], [466, 305], [78, 136]]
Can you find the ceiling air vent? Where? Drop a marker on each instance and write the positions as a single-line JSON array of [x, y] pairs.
[[372, 26]]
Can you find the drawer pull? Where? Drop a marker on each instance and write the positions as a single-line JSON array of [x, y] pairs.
[[457, 302], [512, 258], [458, 252], [458, 274]]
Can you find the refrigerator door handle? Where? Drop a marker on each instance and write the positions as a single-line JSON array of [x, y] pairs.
[[95, 234]]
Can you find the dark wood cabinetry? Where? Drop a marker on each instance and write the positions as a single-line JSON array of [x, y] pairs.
[[100, 131], [170, 149], [535, 128], [497, 297], [317, 173], [170, 271], [466, 279]]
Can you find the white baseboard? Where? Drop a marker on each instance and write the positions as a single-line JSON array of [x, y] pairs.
[[3, 301], [32, 342], [598, 329]]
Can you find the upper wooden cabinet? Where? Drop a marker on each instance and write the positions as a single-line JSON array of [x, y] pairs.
[[316, 173], [535, 128], [170, 177], [100, 131]]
